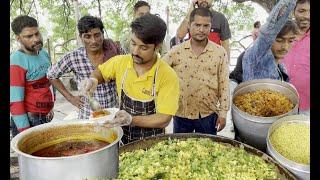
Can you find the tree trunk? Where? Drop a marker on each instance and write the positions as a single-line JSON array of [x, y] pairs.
[[266, 4], [77, 17]]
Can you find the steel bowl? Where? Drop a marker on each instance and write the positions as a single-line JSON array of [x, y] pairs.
[[283, 173], [102, 163], [301, 171], [253, 130]]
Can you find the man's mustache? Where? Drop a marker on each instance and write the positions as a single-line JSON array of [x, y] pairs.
[[136, 56], [37, 44]]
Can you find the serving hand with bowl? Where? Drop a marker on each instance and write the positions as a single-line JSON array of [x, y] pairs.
[[111, 117], [107, 117]]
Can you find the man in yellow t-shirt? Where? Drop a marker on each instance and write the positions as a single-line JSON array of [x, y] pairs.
[[147, 86]]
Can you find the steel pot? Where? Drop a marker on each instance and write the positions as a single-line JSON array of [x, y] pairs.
[[253, 130], [102, 163], [148, 142], [301, 171]]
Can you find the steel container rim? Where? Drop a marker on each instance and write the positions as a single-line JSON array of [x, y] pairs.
[[283, 160], [18, 137]]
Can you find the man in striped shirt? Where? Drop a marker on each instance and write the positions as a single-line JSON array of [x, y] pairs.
[[31, 94]]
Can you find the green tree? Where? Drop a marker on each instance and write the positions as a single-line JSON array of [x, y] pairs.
[[60, 21]]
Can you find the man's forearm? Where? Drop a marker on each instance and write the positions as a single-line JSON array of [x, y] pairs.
[[152, 121], [61, 88], [183, 28], [226, 46]]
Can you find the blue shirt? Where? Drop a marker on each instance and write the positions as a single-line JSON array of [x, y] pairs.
[[258, 61]]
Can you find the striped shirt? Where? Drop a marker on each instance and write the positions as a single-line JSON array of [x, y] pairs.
[[30, 90], [78, 62]]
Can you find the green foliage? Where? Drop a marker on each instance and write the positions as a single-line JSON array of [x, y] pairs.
[[60, 22]]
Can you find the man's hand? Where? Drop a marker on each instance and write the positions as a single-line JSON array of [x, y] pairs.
[[122, 118], [88, 86], [220, 123], [76, 101]]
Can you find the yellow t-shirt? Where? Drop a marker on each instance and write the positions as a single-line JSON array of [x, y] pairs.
[[140, 88]]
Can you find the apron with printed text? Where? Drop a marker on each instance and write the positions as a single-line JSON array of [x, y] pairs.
[[138, 108]]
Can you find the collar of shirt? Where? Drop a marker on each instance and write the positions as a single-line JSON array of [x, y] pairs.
[[307, 34], [208, 47]]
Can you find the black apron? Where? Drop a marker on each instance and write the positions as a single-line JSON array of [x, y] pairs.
[[138, 108]]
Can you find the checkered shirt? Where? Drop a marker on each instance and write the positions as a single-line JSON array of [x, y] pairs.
[[78, 62]]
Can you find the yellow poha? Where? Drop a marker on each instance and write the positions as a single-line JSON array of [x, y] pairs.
[[264, 103], [292, 140]]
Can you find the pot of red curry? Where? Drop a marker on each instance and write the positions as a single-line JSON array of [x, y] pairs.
[[68, 150]]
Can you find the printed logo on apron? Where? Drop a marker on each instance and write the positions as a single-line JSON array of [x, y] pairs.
[[138, 108]]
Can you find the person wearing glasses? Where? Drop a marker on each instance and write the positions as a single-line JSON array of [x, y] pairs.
[[82, 62]]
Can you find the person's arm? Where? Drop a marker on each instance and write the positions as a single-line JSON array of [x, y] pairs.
[[157, 120], [183, 27], [63, 66], [74, 100], [104, 73], [17, 91], [96, 74], [168, 58], [164, 48], [267, 35], [226, 46], [223, 78], [225, 35]]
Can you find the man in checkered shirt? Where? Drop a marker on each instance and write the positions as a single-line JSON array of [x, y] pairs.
[[84, 60]]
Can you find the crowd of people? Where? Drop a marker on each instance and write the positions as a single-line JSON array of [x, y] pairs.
[[151, 83]]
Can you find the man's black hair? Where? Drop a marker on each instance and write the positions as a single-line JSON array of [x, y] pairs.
[[204, 12], [255, 25], [86, 23], [149, 28], [21, 22], [289, 26], [140, 4], [301, 2]]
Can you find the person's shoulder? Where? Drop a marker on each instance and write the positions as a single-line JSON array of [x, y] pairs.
[[43, 52], [73, 53], [14, 57], [216, 14], [215, 47], [180, 47], [166, 70], [121, 59]]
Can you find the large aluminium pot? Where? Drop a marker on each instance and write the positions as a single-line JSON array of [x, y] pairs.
[[102, 163], [253, 130], [301, 171], [148, 142]]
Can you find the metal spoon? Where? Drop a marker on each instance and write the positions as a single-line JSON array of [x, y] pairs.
[[94, 104]]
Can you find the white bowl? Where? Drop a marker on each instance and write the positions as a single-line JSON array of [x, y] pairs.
[[109, 117]]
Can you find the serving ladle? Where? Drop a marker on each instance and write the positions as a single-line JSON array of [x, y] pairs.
[[94, 104]]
